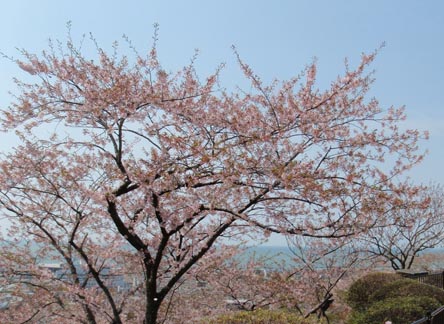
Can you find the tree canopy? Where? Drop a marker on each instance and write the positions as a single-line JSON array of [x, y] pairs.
[[127, 169]]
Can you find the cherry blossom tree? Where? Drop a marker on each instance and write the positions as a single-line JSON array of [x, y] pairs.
[[243, 282], [324, 267], [411, 229], [250, 282], [125, 170]]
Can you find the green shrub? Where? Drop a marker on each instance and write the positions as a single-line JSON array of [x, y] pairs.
[[261, 316], [400, 310], [407, 288], [360, 291]]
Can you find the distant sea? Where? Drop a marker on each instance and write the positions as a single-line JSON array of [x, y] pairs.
[[275, 256], [276, 253]]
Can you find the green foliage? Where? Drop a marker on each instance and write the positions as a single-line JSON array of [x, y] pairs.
[[407, 288], [361, 290], [261, 316], [397, 310], [381, 297]]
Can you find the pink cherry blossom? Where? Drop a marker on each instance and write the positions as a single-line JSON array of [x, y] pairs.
[[127, 171]]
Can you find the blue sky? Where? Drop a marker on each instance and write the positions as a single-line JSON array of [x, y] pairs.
[[277, 38]]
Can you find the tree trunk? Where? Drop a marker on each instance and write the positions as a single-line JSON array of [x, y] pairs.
[[151, 312], [151, 297]]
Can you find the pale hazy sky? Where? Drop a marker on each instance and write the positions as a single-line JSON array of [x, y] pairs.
[[277, 38]]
